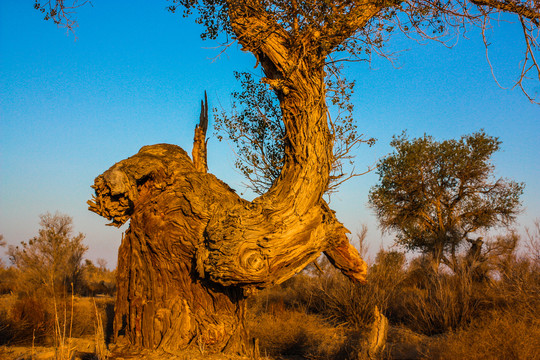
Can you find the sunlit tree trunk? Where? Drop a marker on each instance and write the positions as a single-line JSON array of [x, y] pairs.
[[194, 249]]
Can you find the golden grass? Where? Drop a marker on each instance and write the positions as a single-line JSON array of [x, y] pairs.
[[322, 316], [499, 336], [290, 332]]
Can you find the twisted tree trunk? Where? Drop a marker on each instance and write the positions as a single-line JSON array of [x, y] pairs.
[[194, 249]]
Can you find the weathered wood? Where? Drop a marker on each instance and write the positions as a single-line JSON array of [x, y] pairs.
[[375, 342], [160, 299], [191, 253], [199, 152], [195, 249]]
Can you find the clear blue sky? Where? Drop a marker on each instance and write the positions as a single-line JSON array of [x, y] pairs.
[[69, 109]]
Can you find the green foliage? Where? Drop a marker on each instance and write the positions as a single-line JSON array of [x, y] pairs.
[[256, 128], [436, 195], [52, 260]]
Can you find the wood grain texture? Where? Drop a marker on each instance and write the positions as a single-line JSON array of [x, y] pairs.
[[194, 249]]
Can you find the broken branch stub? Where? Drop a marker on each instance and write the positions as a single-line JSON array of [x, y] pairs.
[[199, 152]]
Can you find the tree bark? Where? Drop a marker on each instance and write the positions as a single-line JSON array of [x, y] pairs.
[[161, 300], [194, 249]]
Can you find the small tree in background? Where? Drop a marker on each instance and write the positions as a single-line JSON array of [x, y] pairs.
[[52, 260], [437, 195], [7, 274], [97, 279]]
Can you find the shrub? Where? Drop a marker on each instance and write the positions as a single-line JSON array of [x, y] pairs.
[[8, 279], [50, 261], [290, 332], [27, 321], [337, 298], [447, 302], [97, 280], [500, 335]]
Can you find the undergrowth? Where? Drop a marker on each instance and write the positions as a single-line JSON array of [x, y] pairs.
[[492, 312], [319, 314]]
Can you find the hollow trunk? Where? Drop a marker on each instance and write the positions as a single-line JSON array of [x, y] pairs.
[[194, 249]]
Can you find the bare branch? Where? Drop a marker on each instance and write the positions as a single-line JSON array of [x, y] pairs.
[[61, 12], [199, 152], [529, 55]]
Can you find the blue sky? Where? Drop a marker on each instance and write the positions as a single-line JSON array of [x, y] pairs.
[[69, 109]]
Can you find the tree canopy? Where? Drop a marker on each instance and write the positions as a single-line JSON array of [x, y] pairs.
[[437, 195]]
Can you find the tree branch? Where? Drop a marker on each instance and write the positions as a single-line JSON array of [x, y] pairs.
[[531, 13], [348, 22], [260, 34]]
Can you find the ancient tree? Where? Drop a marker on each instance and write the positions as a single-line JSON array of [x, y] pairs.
[[194, 249], [436, 196]]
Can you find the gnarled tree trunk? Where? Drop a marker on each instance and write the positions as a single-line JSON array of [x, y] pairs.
[[194, 249]]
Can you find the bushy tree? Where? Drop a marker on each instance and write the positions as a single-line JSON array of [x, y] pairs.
[[438, 195], [52, 260]]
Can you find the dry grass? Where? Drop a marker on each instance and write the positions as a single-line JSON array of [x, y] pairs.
[[32, 319], [502, 335], [38, 328], [446, 303], [320, 315], [289, 332]]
